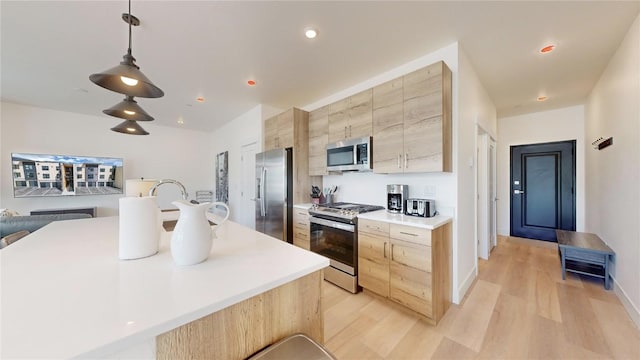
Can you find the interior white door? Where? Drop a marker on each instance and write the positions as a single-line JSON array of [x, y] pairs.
[[246, 212]]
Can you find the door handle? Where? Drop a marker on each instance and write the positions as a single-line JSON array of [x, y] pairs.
[[264, 191]]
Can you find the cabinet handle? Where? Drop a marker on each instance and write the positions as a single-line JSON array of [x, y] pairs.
[[399, 156], [350, 135], [345, 132], [406, 233], [392, 251], [406, 160], [384, 250]]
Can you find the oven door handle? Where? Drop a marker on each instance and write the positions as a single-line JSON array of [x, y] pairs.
[[332, 224]]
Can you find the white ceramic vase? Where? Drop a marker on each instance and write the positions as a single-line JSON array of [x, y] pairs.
[[193, 236]]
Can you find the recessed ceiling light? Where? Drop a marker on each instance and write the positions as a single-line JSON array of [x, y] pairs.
[[200, 99], [547, 49], [251, 82], [541, 98], [180, 121], [310, 33]]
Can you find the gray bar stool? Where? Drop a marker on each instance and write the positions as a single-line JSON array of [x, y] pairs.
[[297, 346]]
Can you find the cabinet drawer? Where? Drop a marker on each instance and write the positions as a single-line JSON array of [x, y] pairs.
[[411, 255], [301, 218], [411, 234], [301, 232], [301, 242], [373, 227]]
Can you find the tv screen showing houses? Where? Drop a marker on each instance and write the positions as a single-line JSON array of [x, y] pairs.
[[65, 175]]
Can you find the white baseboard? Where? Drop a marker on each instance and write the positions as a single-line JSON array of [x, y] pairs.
[[466, 284], [631, 308]]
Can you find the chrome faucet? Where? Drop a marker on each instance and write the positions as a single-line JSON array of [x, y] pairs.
[[152, 191]]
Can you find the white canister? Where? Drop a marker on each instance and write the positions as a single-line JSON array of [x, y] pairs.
[[139, 227]]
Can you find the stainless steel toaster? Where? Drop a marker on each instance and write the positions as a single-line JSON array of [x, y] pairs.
[[420, 207]]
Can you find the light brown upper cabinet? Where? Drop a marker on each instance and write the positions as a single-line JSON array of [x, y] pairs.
[[290, 129], [318, 139], [278, 130], [412, 122], [351, 117]]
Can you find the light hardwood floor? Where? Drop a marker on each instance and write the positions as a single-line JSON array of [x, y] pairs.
[[518, 308]]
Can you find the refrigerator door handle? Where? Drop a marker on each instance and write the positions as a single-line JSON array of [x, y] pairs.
[[264, 192]]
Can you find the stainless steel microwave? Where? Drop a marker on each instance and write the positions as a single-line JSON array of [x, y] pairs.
[[350, 155]]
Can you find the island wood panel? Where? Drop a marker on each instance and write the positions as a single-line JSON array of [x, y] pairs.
[[244, 328], [318, 140]]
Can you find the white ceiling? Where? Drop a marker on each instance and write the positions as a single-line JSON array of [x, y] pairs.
[[210, 49]]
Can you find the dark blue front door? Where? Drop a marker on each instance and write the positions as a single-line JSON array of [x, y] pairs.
[[543, 189]]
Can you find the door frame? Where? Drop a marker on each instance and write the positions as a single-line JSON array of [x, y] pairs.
[[247, 184], [486, 224]]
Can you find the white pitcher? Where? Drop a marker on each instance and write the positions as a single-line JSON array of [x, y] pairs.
[[193, 235]]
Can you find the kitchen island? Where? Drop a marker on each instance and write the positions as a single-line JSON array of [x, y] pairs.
[[65, 294]]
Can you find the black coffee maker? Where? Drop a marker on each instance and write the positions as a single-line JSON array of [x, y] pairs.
[[396, 196]]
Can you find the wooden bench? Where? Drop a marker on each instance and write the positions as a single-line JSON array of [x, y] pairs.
[[585, 253]]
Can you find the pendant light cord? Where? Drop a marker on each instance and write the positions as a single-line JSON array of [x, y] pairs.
[[129, 21]]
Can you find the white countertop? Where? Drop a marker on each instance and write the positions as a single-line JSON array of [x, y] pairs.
[[65, 293], [427, 223]]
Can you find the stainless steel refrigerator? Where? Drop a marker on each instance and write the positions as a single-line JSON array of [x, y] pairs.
[[274, 194]]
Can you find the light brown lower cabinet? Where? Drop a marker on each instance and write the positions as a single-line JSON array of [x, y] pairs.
[[409, 265], [301, 228]]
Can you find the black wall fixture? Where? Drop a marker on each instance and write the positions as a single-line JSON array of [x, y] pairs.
[[602, 143]]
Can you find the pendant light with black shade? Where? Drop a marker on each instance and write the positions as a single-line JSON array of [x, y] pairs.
[[127, 79], [128, 109], [130, 127]]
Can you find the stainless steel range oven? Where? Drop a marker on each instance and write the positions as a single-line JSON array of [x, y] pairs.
[[334, 235]]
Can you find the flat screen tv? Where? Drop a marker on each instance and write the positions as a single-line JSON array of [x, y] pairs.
[[65, 175]]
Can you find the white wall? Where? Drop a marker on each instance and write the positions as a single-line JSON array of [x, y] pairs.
[[613, 174], [474, 107], [243, 130], [547, 126], [167, 153]]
